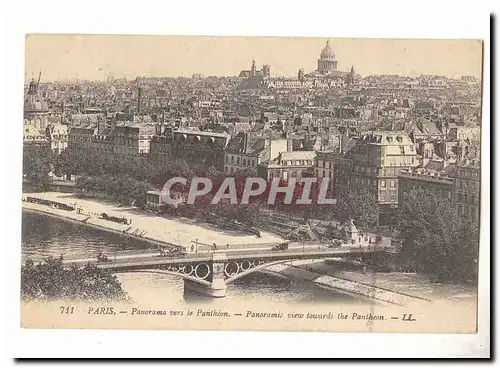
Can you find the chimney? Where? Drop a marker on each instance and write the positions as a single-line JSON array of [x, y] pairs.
[[289, 143], [139, 100], [101, 124], [446, 162], [245, 141]]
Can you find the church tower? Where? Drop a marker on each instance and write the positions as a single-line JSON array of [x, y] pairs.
[[253, 72], [350, 77]]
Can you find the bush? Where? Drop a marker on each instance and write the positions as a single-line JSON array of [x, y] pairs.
[[51, 281]]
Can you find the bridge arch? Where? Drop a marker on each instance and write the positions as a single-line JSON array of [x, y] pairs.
[[253, 269]]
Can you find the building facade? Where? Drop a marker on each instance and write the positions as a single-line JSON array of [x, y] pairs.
[[290, 165], [467, 187], [373, 161], [245, 152], [200, 148], [132, 139], [324, 167], [441, 183]]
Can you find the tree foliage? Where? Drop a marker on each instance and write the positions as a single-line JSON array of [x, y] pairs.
[[51, 281], [358, 205], [124, 189], [435, 240], [37, 164]]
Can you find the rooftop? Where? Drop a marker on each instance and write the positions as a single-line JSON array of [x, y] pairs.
[[429, 175], [298, 155]]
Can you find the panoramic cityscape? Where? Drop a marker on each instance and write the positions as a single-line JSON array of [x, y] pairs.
[[324, 187]]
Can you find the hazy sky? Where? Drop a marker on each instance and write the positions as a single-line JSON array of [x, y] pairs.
[[95, 56]]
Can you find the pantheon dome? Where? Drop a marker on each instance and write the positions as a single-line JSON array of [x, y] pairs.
[[327, 53], [326, 61]]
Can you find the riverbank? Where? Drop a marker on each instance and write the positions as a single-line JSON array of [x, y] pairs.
[[143, 225], [366, 292], [82, 220], [392, 288]]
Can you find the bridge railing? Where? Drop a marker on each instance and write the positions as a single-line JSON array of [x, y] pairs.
[[203, 247]]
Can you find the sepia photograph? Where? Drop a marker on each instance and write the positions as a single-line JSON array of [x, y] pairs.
[[251, 183]]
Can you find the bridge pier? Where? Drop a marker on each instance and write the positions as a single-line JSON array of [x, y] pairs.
[[215, 285], [216, 289]]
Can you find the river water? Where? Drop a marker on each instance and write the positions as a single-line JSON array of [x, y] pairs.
[[44, 236]]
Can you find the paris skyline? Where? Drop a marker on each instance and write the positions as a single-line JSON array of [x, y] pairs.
[[94, 57]]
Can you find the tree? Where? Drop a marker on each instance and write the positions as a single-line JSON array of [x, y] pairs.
[[358, 205], [51, 281], [70, 163], [37, 164], [435, 240]]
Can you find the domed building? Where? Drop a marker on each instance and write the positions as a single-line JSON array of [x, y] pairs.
[[36, 109], [37, 129], [327, 75], [326, 61]]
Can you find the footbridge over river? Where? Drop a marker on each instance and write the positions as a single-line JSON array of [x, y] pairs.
[[210, 272]]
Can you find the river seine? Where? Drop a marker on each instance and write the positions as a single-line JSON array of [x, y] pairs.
[[44, 236]]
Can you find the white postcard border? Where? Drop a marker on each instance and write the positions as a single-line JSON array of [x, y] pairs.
[[254, 18]]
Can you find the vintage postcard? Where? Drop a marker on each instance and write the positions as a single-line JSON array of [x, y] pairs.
[[251, 183]]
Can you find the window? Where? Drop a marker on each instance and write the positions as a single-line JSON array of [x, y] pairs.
[[297, 162], [382, 183], [393, 196], [381, 196], [393, 183]]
